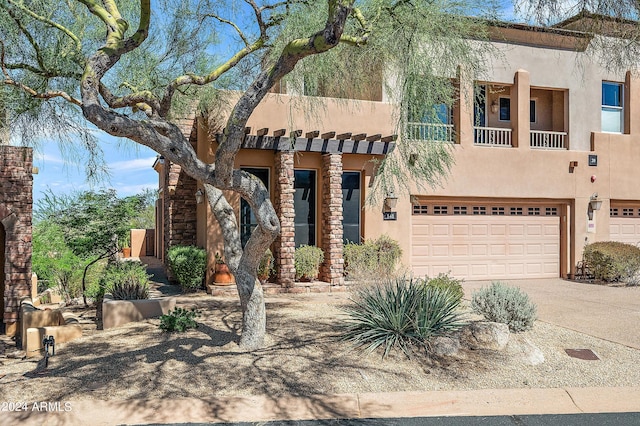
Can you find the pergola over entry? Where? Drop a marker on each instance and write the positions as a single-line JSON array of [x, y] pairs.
[[314, 141]]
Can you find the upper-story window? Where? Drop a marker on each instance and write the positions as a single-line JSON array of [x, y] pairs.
[[505, 110], [612, 107]]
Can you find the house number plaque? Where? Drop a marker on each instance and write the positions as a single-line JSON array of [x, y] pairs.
[[389, 215]]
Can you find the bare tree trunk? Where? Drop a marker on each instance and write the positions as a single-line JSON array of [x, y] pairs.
[[244, 263]]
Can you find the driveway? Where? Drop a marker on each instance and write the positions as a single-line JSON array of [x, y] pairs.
[[609, 313]]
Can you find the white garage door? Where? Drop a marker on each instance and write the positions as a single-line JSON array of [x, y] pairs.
[[624, 223], [484, 242]]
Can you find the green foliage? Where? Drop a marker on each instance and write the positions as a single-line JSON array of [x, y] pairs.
[[612, 261], [307, 260], [372, 259], [145, 217], [54, 262], [265, 268], [188, 265], [180, 320], [446, 283], [504, 304], [126, 280], [400, 314]]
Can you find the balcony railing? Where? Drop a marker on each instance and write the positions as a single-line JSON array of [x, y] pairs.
[[430, 132], [548, 140], [491, 136]]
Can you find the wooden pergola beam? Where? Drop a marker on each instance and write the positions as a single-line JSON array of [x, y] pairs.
[[343, 136], [390, 138], [313, 134], [359, 137], [279, 133], [328, 135], [263, 131], [374, 138]]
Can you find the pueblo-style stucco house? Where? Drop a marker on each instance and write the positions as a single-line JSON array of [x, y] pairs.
[[547, 154], [16, 183]]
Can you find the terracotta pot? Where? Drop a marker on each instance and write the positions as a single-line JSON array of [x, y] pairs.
[[126, 251], [222, 275]]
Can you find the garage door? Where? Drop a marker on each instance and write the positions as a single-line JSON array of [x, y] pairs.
[[485, 242], [624, 223]]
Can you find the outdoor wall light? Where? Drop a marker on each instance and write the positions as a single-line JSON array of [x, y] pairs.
[[161, 159], [494, 107], [594, 205], [391, 200], [199, 196]]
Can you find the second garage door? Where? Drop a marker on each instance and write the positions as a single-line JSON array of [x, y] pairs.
[[485, 242], [624, 222]]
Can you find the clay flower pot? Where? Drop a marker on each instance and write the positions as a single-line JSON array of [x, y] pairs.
[[126, 251], [222, 275]]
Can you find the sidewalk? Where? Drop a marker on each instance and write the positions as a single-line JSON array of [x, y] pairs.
[[368, 405]]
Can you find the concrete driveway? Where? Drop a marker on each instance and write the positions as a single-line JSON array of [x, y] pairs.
[[609, 313]]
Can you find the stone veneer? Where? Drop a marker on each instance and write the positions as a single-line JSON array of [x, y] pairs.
[[179, 204], [332, 269], [285, 245], [16, 204]]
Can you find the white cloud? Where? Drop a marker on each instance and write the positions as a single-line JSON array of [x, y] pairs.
[[132, 165]]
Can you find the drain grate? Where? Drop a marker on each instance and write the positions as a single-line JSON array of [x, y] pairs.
[[585, 354]]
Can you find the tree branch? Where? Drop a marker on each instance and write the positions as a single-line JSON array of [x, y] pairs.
[[293, 52], [48, 22], [232, 24], [167, 98]]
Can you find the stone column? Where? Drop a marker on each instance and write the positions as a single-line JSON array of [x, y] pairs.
[[332, 269], [285, 245], [16, 204]]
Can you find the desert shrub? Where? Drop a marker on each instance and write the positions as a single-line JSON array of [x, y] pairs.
[[399, 313], [307, 260], [446, 283], [372, 259], [180, 319], [125, 280], [389, 252], [504, 304], [612, 261], [188, 265]]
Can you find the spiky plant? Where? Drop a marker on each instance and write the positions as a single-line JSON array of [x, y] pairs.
[[400, 314]]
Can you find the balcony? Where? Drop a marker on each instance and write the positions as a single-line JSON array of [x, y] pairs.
[[492, 136], [430, 132], [548, 140]]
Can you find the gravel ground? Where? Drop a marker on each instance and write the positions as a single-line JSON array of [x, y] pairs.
[[302, 357]]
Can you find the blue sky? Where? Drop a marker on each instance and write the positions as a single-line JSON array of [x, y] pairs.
[[130, 168]]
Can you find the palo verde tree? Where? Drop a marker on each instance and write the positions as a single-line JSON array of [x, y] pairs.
[[129, 66]]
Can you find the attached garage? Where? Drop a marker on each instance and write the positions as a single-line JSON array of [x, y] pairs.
[[624, 222], [486, 241]]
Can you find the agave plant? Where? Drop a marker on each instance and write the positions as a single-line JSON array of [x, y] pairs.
[[400, 313]]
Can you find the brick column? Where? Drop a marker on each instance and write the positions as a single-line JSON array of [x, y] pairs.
[[285, 245], [332, 270]]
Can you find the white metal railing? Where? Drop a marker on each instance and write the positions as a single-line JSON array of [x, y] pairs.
[[492, 136], [430, 132], [548, 140]]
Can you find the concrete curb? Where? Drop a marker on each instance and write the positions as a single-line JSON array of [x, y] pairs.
[[492, 402]]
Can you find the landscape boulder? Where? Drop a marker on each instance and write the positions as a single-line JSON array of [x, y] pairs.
[[485, 335]]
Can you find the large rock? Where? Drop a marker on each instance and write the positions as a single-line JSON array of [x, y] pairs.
[[522, 348], [485, 335]]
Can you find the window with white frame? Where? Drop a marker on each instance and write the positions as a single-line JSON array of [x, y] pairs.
[[612, 107]]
